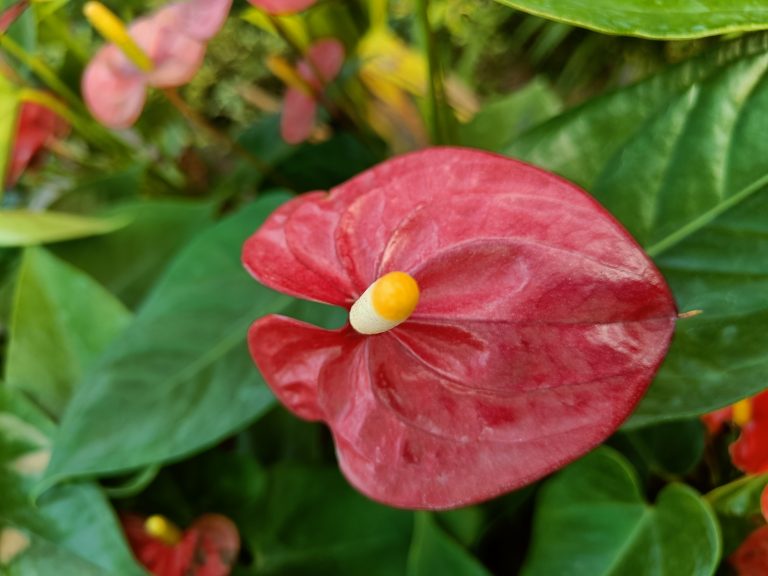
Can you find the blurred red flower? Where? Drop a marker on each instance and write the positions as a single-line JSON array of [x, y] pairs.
[[319, 68], [279, 7], [751, 558], [36, 126], [540, 323], [209, 547], [173, 37], [749, 453]]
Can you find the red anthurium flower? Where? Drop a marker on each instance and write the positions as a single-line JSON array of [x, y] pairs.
[[36, 126], [749, 452], [502, 323], [173, 39], [279, 7], [321, 65], [751, 558], [209, 547]]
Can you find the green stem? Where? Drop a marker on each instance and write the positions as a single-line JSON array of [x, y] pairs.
[[41, 69], [436, 91]]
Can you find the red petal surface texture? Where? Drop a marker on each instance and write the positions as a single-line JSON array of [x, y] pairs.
[[540, 324]]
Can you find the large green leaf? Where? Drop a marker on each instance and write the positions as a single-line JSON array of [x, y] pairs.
[[129, 261], [309, 521], [180, 377], [592, 520], [501, 120], [62, 321], [434, 552], [71, 530], [682, 161], [668, 448], [653, 19], [25, 228]]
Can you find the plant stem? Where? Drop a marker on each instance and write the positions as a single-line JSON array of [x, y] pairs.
[[436, 90], [41, 69]]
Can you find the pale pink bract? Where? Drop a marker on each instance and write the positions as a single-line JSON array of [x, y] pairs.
[[324, 58], [174, 37]]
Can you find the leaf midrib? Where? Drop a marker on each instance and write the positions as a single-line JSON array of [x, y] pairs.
[[706, 218]]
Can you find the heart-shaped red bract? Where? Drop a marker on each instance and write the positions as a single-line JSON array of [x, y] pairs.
[[540, 325]]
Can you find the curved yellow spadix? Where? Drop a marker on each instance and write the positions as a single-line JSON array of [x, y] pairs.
[[112, 29], [163, 529]]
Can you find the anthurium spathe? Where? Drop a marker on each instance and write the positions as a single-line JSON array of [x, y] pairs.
[[163, 50], [749, 453], [504, 323], [209, 547], [314, 72], [36, 126]]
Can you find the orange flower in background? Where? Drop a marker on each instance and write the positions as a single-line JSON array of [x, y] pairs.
[[164, 50], [209, 547], [37, 125]]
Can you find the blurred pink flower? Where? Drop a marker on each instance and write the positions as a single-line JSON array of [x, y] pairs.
[[173, 37], [36, 126], [324, 58], [277, 7]]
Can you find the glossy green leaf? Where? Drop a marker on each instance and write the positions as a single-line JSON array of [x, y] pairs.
[[652, 19], [682, 161], [500, 121], [310, 522], [130, 260], [592, 520], [434, 552], [737, 505], [740, 497], [180, 377], [667, 448], [64, 317], [25, 228], [71, 530], [9, 106]]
